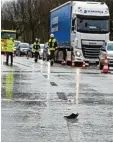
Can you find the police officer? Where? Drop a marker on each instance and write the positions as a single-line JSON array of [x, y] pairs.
[[9, 49], [52, 47], [36, 48]]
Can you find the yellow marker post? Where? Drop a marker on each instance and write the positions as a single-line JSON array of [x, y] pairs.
[[77, 85], [9, 85]]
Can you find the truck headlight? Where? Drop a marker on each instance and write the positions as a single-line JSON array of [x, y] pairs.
[[78, 54]]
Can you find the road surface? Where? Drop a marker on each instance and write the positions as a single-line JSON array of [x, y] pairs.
[[35, 98]]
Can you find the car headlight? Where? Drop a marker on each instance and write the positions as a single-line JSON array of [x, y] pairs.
[[78, 54]]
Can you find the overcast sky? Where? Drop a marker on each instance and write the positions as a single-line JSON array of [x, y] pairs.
[[5, 0]]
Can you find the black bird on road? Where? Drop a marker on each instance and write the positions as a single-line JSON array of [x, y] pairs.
[[72, 116]]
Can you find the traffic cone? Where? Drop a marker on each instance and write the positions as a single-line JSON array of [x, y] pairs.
[[105, 67], [73, 61], [84, 65]]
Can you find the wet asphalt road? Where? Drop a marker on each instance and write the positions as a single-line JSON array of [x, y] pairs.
[[35, 98]]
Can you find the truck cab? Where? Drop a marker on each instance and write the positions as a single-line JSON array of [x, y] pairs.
[[90, 30], [81, 28], [4, 36]]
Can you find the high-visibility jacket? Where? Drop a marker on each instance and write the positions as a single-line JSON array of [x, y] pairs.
[[36, 47], [9, 45], [52, 44]]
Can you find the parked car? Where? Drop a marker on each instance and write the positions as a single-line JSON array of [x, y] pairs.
[[22, 49], [30, 50], [41, 51], [16, 43], [46, 52], [106, 50]]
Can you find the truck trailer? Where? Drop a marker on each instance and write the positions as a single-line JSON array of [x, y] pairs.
[[81, 28]]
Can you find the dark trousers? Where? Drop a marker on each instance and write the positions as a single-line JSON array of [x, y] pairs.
[[64, 54], [36, 55], [7, 57], [52, 55]]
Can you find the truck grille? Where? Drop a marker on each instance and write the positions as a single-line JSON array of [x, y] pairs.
[[91, 51]]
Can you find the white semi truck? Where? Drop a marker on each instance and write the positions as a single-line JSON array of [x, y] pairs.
[[81, 26]]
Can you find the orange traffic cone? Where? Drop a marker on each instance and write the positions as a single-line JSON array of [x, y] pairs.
[[105, 67], [84, 65], [73, 61]]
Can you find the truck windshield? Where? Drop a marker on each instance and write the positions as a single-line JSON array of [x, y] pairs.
[[4, 35], [93, 25]]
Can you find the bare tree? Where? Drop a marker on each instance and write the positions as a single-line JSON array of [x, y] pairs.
[[31, 17]]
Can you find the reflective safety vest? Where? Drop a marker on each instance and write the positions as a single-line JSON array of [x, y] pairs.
[[51, 44], [9, 45], [36, 47]]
